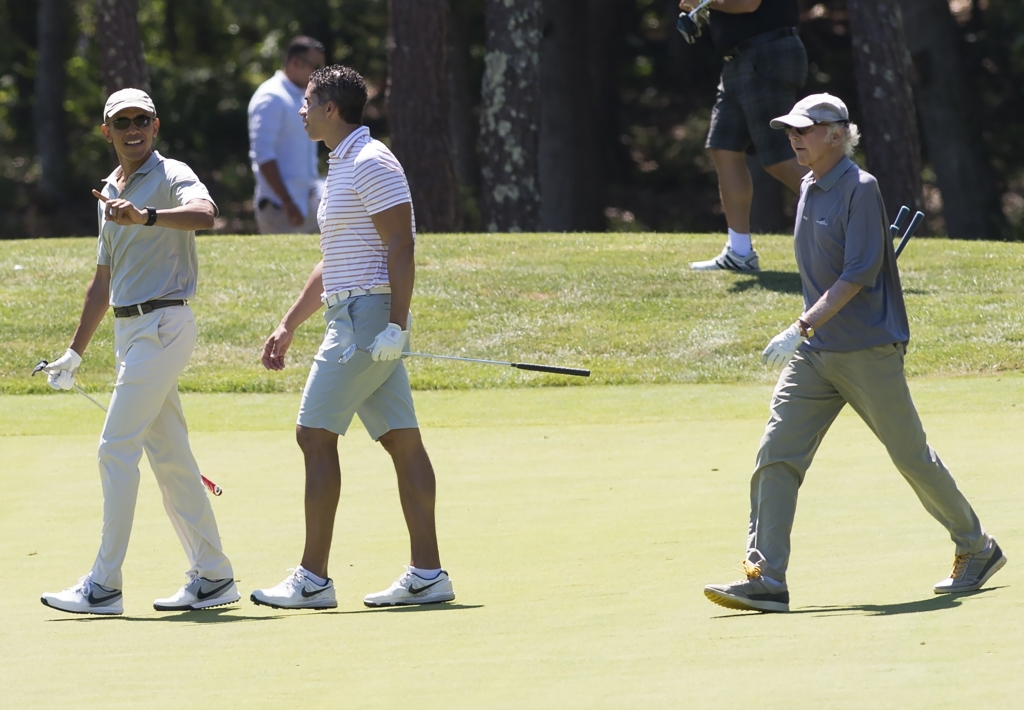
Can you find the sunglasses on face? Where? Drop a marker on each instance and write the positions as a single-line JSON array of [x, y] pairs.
[[801, 131], [122, 123]]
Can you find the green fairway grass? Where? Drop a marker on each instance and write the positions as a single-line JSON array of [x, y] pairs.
[[625, 305], [579, 526]]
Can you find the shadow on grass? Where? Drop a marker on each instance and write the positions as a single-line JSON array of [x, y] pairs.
[[782, 281], [220, 615], [939, 602], [409, 609]]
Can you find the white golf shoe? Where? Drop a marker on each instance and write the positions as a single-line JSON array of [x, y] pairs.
[[297, 591], [86, 597], [970, 572], [412, 589], [200, 593], [728, 260]]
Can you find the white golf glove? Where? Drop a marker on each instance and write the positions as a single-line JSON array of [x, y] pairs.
[[389, 343], [782, 347], [61, 372]]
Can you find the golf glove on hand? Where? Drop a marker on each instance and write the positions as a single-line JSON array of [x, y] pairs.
[[389, 343], [782, 347], [61, 372]]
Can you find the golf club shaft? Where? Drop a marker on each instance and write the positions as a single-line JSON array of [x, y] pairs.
[[901, 219], [576, 372], [914, 223]]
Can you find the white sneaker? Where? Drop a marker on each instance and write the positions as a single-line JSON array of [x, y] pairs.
[[412, 589], [297, 591], [86, 597], [728, 260], [200, 593], [970, 572]]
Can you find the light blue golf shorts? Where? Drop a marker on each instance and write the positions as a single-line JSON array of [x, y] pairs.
[[377, 391]]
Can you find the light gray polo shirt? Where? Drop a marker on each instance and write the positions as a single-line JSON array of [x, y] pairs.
[[842, 232], [148, 263]]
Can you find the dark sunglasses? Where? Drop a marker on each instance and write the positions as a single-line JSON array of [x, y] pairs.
[[123, 122], [801, 131]]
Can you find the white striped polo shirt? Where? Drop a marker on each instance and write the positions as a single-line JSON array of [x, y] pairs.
[[363, 178]]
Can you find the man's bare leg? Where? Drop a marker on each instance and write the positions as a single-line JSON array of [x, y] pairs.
[[735, 188], [788, 172], [416, 490], [323, 490]]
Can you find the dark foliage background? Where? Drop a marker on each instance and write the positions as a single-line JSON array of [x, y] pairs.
[[206, 57]]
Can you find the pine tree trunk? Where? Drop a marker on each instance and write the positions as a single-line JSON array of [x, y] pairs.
[[51, 141], [510, 116], [571, 155], [122, 63], [889, 125], [970, 201], [418, 110]]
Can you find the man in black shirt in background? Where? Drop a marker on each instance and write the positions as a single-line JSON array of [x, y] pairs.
[[765, 64]]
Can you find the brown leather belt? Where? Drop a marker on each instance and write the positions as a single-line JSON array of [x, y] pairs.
[[141, 309]]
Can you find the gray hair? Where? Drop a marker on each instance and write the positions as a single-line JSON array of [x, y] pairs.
[[851, 135]]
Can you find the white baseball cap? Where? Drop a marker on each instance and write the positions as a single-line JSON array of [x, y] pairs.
[[816, 108], [128, 98]]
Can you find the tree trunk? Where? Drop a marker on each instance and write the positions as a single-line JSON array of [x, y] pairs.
[[465, 126], [510, 116], [51, 142], [122, 63], [418, 109], [570, 152], [882, 67], [970, 201]]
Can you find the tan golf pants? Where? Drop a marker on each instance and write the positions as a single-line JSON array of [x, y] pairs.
[[145, 415], [810, 393]]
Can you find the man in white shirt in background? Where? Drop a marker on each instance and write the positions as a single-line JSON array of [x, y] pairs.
[[365, 278], [284, 160]]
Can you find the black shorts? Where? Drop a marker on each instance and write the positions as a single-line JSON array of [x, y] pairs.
[[758, 85]]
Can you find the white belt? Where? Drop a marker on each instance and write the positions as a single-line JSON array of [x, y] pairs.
[[339, 296]]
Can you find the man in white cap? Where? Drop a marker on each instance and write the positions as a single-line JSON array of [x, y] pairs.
[[847, 347], [146, 268]]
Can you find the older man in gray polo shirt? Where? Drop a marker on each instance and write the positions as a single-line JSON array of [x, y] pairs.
[[146, 268], [847, 347]]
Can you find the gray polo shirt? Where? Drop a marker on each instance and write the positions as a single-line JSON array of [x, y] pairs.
[[148, 263], [842, 232]]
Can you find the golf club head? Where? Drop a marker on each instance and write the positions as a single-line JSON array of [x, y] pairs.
[[689, 28], [40, 367]]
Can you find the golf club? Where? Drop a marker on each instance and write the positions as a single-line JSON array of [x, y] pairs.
[[901, 219], [914, 223], [351, 350], [210, 485], [689, 23]]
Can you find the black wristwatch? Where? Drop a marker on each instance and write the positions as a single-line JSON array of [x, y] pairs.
[[152, 216]]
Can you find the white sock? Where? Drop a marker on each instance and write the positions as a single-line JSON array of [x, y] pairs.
[[425, 573], [319, 581], [739, 243]]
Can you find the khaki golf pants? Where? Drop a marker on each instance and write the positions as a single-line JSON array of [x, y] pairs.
[[145, 415], [810, 393]]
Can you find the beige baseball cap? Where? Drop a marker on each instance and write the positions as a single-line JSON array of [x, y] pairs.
[[816, 108], [128, 98]]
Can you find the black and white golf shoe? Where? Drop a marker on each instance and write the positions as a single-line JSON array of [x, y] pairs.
[[970, 572], [755, 593], [86, 597], [729, 260]]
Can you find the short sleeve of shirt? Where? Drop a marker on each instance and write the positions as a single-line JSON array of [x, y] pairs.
[[185, 186], [379, 181], [102, 255], [265, 115], [865, 234]]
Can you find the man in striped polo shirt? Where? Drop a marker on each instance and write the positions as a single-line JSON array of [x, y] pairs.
[[365, 278]]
